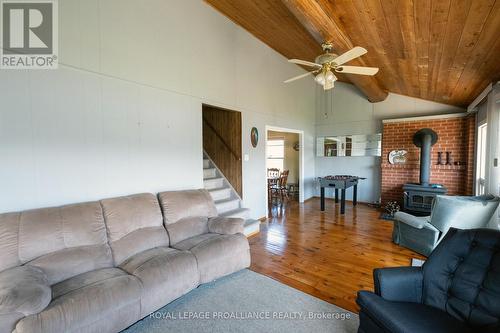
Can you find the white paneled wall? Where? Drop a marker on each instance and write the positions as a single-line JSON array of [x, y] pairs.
[[73, 136], [122, 114]]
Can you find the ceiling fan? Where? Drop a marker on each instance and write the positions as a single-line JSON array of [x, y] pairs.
[[329, 62]]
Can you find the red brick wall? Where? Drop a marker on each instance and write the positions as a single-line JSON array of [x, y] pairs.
[[456, 135]]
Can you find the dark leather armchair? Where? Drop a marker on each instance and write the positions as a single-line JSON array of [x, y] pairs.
[[456, 290]]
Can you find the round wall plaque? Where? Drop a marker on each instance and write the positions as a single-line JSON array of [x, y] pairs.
[[254, 136], [397, 157]]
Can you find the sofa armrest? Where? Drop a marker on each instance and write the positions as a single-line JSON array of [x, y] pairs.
[[24, 289], [399, 284], [417, 222], [226, 225]]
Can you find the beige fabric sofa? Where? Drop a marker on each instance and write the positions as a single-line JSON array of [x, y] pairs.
[[101, 266]]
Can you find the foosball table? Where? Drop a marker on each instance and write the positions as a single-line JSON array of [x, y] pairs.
[[339, 182]]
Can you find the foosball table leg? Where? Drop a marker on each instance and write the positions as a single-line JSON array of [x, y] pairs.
[[342, 201], [336, 195], [355, 195], [322, 199]]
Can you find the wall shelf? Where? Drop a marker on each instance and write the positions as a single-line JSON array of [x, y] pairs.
[[417, 167]]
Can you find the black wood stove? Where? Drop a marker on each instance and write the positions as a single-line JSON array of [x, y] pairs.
[[418, 197]]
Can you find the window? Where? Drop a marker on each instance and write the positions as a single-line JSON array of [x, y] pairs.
[[481, 159], [275, 153]]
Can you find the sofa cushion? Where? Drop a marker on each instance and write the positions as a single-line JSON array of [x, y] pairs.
[[9, 240], [462, 212], [462, 277], [39, 236], [8, 321], [186, 228], [85, 280], [24, 290], [165, 273], [134, 224], [226, 225], [189, 243], [177, 205], [63, 264], [82, 300], [218, 255], [408, 317], [138, 241]]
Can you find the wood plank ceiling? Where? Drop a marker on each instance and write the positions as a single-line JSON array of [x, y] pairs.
[[446, 51]]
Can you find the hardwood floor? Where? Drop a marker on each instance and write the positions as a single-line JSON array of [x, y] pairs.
[[326, 254]]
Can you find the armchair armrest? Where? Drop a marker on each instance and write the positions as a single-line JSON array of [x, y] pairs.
[[24, 289], [399, 284], [414, 221], [226, 225]]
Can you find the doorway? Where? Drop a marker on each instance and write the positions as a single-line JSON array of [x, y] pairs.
[[284, 158], [222, 143]]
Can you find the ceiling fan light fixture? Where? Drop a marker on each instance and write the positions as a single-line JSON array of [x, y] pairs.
[[328, 85], [327, 63], [329, 76], [320, 78]]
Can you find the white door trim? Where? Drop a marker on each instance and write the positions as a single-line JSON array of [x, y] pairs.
[[301, 157]]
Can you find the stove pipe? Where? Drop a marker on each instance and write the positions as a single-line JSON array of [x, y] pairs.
[[424, 139]]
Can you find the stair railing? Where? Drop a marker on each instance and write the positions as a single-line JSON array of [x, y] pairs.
[[221, 139]]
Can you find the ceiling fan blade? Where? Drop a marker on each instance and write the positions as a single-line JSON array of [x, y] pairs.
[[303, 62], [298, 77], [355, 52], [357, 70]]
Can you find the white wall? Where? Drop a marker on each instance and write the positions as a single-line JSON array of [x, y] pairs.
[[343, 111], [122, 114]]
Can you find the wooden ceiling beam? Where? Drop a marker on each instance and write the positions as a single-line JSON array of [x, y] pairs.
[[323, 28]]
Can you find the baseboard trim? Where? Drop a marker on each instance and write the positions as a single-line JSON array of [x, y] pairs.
[[253, 234]]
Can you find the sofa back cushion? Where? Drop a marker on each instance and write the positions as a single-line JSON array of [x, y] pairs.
[[9, 236], [186, 228], [134, 224], [462, 276], [62, 241], [462, 212], [186, 213], [177, 205]]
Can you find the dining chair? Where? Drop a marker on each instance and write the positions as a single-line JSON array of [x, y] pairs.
[[272, 182], [273, 173], [282, 183]]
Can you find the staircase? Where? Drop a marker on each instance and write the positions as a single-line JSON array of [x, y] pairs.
[[227, 201]]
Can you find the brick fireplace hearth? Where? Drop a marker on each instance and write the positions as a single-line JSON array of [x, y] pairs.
[[456, 135]]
